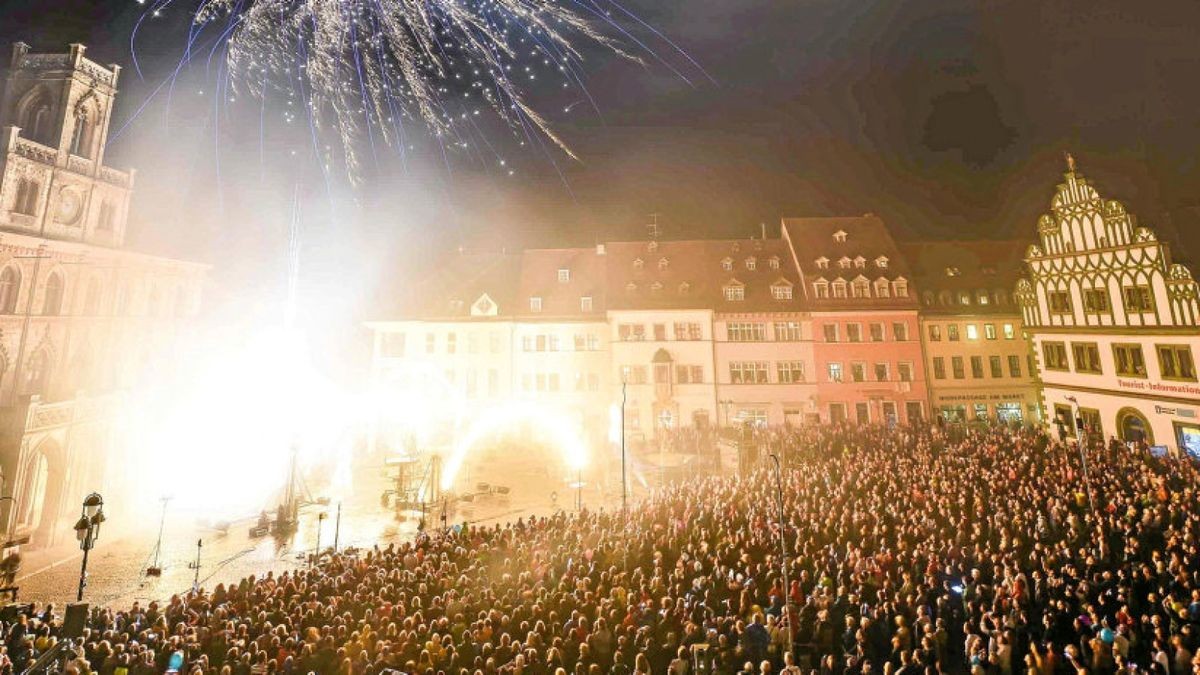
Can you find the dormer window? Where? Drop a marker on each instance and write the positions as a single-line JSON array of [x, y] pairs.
[[735, 293], [652, 246], [860, 262], [881, 262], [727, 264], [684, 288], [585, 303], [638, 264], [656, 287], [751, 264], [952, 271], [662, 264], [844, 263], [564, 275], [773, 262], [900, 287], [456, 305], [840, 236], [883, 289], [535, 304], [630, 287], [781, 290], [861, 288], [822, 263], [839, 288], [821, 288]]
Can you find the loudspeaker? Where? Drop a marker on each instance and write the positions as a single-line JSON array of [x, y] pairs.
[[75, 620]]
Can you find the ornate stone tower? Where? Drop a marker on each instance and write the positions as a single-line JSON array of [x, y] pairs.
[[54, 122]]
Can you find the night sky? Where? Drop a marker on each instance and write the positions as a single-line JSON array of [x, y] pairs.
[[948, 118]]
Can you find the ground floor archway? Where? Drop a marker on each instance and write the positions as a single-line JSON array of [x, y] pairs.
[[1133, 426]]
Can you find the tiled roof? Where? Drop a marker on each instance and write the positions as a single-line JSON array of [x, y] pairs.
[[454, 284], [944, 270], [582, 276], [848, 248], [694, 274]]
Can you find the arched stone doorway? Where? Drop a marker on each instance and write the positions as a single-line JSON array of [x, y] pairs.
[[1133, 426], [40, 495]]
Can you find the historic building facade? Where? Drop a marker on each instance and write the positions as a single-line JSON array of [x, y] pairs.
[[1114, 322], [82, 320], [866, 344], [977, 358]]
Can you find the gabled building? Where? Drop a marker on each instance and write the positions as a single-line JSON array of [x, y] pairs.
[[977, 358], [1114, 322], [866, 344]]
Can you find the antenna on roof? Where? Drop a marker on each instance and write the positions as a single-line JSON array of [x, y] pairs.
[[652, 228]]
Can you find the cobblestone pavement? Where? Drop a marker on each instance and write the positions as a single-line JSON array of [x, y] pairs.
[[116, 566]]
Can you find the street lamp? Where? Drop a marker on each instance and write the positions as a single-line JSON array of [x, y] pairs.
[[1080, 443], [320, 521], [783, 562], [87, 531]]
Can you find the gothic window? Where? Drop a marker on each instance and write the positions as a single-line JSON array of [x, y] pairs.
[[10, 286], [81, 136], [27, 196], [37, 118], [53, 295]]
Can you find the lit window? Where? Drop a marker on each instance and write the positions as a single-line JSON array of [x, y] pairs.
[[773, 262], [839, 236], [821, 288], [952, 271], [781, 292], [844, 262], [637, 264], [972, 332], [535, 304], [860, 262], [735, 293], [727, 264], [1009, 332], [822, 263], [662, 264], [881, 261], [751, 264], [564, 275], [585, 303], [900, 288]]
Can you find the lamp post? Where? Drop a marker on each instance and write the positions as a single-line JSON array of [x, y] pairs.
[[624, 480], [783, 563], [87, 531], [1081, 435], [320, 521]]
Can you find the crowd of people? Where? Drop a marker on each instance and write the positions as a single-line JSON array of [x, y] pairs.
[[907, 552]]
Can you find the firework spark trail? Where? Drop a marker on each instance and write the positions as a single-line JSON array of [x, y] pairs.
[[366, 65]]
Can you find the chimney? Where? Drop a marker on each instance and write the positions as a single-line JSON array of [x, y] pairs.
[[19, 50]]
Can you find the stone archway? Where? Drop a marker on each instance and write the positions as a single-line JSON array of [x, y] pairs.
[[1132, 425], [39, 496]]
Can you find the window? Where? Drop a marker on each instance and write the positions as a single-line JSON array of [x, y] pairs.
[[107, 216], [727, 264], [633, 374], [881, 261], [996, 365], [939, 368], [876, 332], [1055, 355], [790, 372], [631, 332], [977, 367], [854, 332], [840, 236], [881, 372], [1129, 360], [858, 372], [956, 363], [952, 332], [748, 372], [900, 288], [585, 303], [882, 288], [1137, 299], [787, 331], [687, 330], [861, 288], [844, 262], [1060, 302], [81, 136], [935, 333], [735, 293], [1175, 362], [989, 331], [684, 288], [1095, 301], [689, 374], [835, 372], [564, 275], [831, 332], [964, 298], [587, 342], [821, 289], [27, 196], [1014, 365], [451, 343], [751, 264], [663, 264], [1087, 357], [839, 288], [1009, 332], [746, 332], [535, 304], [860, 262], [900, 331], [639, 264], [773, 262], [905, 370], [822, 263], [982, 297], [10, 286], [972, 332], [781, 292], [660, 332]]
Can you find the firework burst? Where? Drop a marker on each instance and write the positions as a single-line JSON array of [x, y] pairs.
[[363, 68]]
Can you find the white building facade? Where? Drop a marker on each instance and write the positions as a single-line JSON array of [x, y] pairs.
[[1113, 322]]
